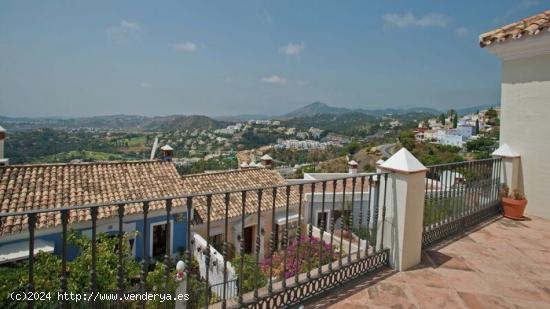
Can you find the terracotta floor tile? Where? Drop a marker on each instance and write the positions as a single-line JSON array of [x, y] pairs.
[[428, 297], [505, 264], [480, 301], [514, 288], [464, 281], [387, 294], [525, 304], [425, 277], [440, 259]]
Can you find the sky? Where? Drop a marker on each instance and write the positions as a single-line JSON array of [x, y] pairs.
[[84, 58]]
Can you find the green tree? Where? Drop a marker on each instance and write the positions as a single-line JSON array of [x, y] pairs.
[[407, 140], [442, 119], [455, 121], [480, 144], [491, 113], [451, 113], [251, 276], [477, 127], [47, 270]]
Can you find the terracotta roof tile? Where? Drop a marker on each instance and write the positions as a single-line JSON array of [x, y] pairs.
[[238, 180], [340, 186], [532, 25], [30, 187]]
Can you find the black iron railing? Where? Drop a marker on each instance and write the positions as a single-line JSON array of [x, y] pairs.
[[459, 195], [285, 258]]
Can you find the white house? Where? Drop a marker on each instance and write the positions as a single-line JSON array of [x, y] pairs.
[[524, 51]]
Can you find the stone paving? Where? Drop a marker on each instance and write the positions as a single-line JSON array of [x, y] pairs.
[[505, 264]]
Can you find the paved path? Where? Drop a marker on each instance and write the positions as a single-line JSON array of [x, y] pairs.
[[505, 264], [387, 150]]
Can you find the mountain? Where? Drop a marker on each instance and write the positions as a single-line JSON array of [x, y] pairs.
[[243, 117], [185, 122], [315, 108], [473, 109], [115, 122], [318, 108], [344, 123]]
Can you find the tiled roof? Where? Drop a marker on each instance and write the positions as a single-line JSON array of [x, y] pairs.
[[237, 180], [532, 25], [28, 187], [340, 186]]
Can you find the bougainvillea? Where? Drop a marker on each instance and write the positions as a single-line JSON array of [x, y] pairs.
[[300, 254]]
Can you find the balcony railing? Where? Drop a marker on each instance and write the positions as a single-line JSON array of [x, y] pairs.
[[278, 263], [459, 195]]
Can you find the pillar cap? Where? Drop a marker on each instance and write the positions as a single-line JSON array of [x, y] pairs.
[[403, 161], [505, 151]]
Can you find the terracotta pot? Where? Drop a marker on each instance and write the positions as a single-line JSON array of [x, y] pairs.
[[513, 209]]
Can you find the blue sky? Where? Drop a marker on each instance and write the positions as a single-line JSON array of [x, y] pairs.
[[81, 58]]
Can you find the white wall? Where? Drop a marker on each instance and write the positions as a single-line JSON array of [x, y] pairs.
[[525, 125]]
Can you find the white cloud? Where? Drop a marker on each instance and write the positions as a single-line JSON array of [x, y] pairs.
[[145, 85], [274, 79], [292, 49], [410, 20], [126, 30], [187, 47], [461, 32]]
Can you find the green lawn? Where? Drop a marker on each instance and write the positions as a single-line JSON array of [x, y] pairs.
[[84, 155]]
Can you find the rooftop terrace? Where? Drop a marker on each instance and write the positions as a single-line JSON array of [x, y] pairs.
[[503, 264]]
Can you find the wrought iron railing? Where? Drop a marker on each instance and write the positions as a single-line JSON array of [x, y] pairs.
[[282, 267], [460, 195]]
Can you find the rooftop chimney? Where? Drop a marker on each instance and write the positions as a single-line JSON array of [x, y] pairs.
[[353, 166], [243, 165], [267, 161], [167, 152], [3, 161]]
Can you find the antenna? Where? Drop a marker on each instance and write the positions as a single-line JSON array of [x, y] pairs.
[[154, 149]]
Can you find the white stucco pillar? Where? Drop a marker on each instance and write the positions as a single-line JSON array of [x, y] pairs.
[[378, 163], [511, 167], [404, 209]]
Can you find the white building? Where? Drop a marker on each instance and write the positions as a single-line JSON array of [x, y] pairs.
[[452, 140], [524, 51]]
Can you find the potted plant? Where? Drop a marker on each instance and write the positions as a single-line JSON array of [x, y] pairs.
[[513, 204]]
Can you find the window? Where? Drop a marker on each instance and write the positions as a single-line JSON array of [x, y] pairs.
[[322, 220], [157, 238], [248, 239], [217, 242]]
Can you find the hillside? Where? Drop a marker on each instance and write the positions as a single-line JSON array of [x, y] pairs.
[[318, 108], [347, 124], [315, 108], [115, 122]]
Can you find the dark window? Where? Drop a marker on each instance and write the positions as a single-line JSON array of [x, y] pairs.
[[159, 240], [217, 242], [322, 220], [248, 237]]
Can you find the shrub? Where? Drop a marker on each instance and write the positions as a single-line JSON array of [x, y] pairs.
[[298, 253], [252, 276]]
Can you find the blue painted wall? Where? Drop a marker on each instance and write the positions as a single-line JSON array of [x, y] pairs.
[[179, 235]]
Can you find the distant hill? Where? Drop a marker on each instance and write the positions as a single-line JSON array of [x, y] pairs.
[[345, 123], [185, 122], [243, 117], [315, 108], [473, 109], [319, 108], [115, 122]]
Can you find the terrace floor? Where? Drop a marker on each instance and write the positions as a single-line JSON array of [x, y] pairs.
[[504, 264]]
